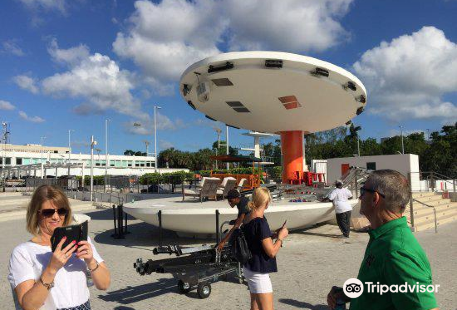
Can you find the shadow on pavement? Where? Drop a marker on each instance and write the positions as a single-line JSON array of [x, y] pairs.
[[132, 294], [302, 304]]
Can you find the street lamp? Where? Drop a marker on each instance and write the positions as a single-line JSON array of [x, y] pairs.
[[93, 143], [69, 150], [156, 107], [106, 154], [218, 131], [402, 144], [228, 148]]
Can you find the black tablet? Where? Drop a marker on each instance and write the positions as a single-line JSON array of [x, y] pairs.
[[73, 233]]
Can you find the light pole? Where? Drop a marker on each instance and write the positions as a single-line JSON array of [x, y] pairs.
[[69, 150], [42, 148], [93, 143], [228, 148], [402, 144], [218, 130], [106, 155], [358, 144], [156, 107]]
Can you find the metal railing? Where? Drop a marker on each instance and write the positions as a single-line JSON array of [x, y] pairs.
[[434, 213], [354, 178], [427, 181]]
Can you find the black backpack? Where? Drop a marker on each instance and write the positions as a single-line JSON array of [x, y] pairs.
[[239, 247]]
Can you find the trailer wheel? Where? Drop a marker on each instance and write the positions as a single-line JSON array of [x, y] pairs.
[[183, 287], [204, 290]]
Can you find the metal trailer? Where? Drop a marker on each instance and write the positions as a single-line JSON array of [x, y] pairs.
[[194, 267]]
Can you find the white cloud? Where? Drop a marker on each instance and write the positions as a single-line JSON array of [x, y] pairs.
[[291, 25], [164, 38], [11, 47], [71, 56], [47, 5], [34, 119], [95, 78], [408, 77], [26, 82], [5, 105], [145, 126]]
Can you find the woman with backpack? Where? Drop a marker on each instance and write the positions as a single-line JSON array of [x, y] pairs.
[[263, 249]]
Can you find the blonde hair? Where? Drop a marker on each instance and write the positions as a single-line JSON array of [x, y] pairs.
[[40, 196], [260, 197]]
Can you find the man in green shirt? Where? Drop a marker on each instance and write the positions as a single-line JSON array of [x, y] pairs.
[[395, 271]]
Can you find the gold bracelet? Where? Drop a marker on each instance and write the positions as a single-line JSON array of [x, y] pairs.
[[96, 267]]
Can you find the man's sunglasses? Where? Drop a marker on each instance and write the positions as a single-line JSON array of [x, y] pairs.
[[50, 212], [363, 190]]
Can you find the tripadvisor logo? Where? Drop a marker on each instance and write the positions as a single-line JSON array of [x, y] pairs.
[[353, 288]]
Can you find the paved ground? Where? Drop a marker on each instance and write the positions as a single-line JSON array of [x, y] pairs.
[[310, 263]]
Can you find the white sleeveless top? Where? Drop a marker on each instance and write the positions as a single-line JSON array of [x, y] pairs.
[[28, 261]]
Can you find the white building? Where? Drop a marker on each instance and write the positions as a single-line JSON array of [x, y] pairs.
[[406, 164], [35, 154]]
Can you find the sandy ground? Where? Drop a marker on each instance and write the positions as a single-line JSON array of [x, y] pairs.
[[309, 264]]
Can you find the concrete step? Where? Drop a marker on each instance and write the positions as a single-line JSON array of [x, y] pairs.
[[418, 195], [423, 210], [424, 226], [434, 203], [427, 218], [430, 198]]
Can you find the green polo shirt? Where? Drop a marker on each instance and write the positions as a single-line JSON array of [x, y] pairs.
[[393, 256]]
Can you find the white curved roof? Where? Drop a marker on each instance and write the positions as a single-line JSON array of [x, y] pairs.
[[241, 91]]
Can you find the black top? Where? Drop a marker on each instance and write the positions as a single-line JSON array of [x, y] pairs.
[[242, 206], [255, 231]]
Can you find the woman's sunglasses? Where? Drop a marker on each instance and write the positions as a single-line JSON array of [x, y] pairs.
[[50, 212], [363, 190]]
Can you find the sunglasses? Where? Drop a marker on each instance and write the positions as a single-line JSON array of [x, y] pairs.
[[363, 190], [50, 212]]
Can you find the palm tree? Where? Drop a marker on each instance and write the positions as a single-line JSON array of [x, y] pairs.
[[353, 134]]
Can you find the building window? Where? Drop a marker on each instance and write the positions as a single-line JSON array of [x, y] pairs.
[[18, 161], [371, 166]]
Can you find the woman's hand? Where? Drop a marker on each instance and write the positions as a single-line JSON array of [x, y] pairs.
[[61, 256], [85, 252]]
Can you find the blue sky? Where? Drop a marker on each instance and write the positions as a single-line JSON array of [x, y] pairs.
[[72, 64]]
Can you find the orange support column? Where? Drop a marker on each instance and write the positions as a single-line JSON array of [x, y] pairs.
[[292, 154]]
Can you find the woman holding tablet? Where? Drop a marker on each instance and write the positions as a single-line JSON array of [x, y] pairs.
[[42, 279]]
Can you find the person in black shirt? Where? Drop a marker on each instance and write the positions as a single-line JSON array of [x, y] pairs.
[[234, 199], [260, 242]]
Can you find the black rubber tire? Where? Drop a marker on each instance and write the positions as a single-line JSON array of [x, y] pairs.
[[204, 290], [183, 288]]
